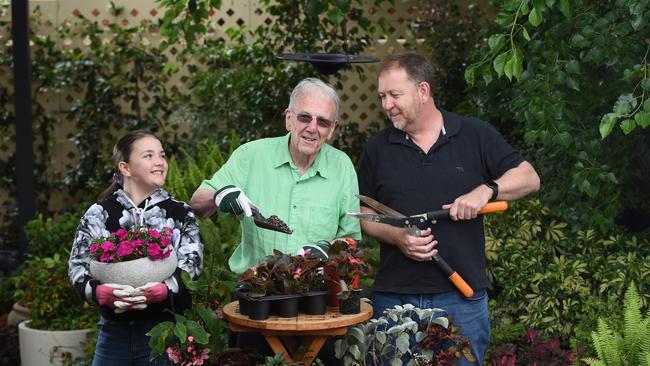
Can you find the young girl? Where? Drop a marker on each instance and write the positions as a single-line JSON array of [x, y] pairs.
[[135, 199]]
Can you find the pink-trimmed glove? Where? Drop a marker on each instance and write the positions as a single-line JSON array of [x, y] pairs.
[[154, 292], [118, 296]]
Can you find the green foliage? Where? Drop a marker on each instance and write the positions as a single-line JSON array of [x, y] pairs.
[[43, 286], [219, 235], [556, 278], [118, 85], [47, 237], [446, 25], [580, 69], [245, 87], [629, 347]]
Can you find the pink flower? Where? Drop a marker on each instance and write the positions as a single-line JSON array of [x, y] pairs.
[[136, 243], [107, 246], [154, 252], [297, 273], [154, 233], [93, 248], [124, 249], [121, 233], [107, 257]]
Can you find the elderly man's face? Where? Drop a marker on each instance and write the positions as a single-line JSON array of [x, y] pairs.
[[311, 123]]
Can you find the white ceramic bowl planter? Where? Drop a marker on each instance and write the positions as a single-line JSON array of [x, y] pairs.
[[135, 272], [45, 347]]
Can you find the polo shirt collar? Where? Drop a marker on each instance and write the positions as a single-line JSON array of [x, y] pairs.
[[451, 126], [282, 156]]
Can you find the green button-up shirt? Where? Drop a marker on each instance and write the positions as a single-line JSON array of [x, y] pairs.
[[314, 204]]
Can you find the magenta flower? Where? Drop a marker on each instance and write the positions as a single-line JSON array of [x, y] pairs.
[[297, 273], [136, 243], [124, 249], [108, 246], [121, 234], [154, 252]]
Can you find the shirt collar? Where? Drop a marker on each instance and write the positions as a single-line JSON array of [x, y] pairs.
[[451, 126], [282, 156]]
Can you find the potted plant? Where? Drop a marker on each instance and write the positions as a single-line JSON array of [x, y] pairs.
[[404, 335], [133, 257], [343, 268], [60, 321]]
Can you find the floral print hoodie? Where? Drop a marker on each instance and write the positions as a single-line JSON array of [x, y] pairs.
[[157, 211]]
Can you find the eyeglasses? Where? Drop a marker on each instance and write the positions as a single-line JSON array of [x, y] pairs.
[[305, 117]]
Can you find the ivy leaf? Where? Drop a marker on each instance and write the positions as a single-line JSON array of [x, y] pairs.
[[500, 62], [572, 83], [607, 124], [535, 17], [313, 8], [508, 68], [469, 75], [572, 67], [565, 8], [625, 104], [643, 119], [637, 21], [495, 41], [627, 126], [487, 75], [563, 138], [336, 16], [645, 84], [525, 34]]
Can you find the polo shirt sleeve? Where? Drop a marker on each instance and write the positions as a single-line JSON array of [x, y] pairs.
[[498, 155], [366, 173], [233, 172], [348, 225]]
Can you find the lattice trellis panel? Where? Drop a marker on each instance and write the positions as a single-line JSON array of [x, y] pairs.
[[360, 102]]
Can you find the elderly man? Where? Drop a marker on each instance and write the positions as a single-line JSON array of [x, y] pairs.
[[297, 177], [431, 159]]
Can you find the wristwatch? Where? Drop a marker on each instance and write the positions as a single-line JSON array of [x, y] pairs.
[[494, 187]]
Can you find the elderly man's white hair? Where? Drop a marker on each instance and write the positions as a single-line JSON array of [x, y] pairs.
[[309, 83]]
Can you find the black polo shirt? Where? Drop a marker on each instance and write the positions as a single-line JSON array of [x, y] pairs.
[[398, 173]]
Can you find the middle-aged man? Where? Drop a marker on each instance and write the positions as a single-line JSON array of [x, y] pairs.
[[298, 177], [431, 159]]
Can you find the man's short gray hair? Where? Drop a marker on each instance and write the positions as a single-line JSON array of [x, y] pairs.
[[309, 83]]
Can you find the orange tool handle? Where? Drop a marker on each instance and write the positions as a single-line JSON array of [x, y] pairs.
[[453, 276], [496, 206], [461, 285]]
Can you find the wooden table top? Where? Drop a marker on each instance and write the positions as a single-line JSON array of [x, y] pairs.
[[331, 319]]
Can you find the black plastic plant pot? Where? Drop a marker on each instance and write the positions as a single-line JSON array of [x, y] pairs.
[[244, 300], [350, 304], [314, 302], [259, 309], [286, 306]]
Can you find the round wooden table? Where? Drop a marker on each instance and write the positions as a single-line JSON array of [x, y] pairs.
[[313, 330]]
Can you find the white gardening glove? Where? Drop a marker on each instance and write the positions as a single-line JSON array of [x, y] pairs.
[[231, 199], [120, 297]]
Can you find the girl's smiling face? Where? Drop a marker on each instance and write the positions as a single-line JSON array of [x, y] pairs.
[[147, 165]]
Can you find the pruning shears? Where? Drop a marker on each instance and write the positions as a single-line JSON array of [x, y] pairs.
[[413, 223]]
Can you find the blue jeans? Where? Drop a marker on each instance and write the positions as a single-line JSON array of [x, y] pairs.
[[469, 314], [125, 344]]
